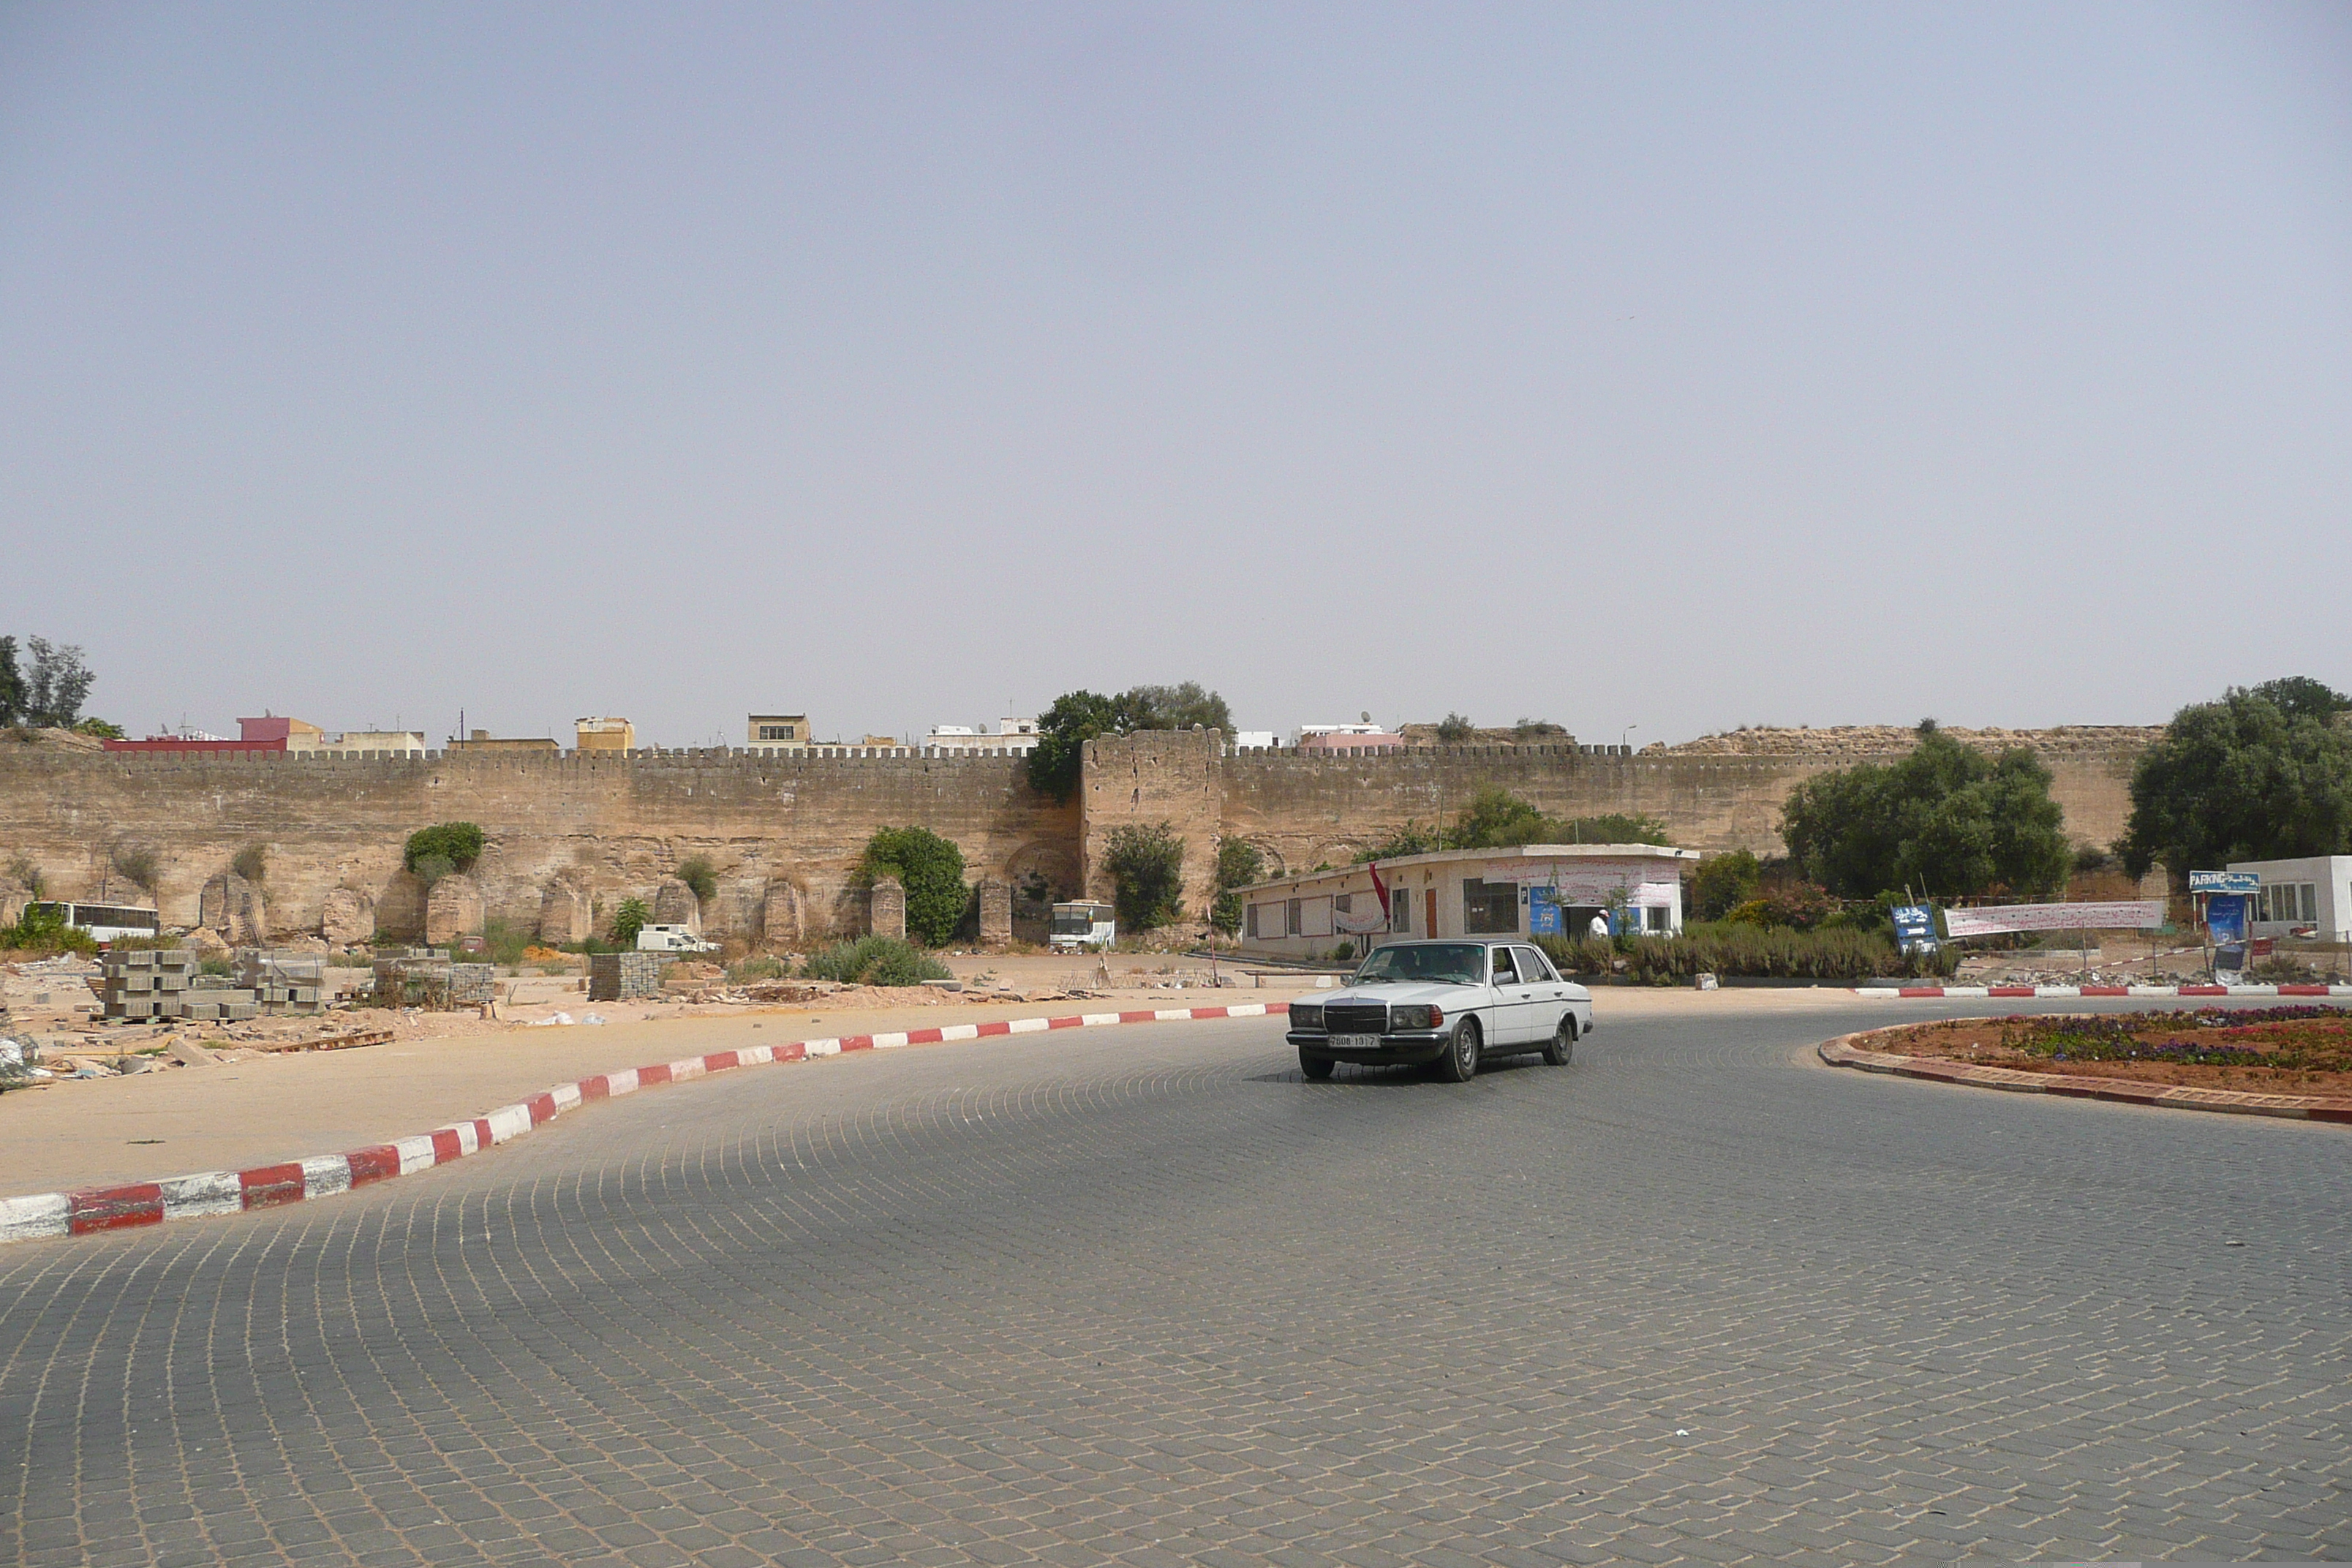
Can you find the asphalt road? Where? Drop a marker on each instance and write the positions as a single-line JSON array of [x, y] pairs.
[[1144, 1295]]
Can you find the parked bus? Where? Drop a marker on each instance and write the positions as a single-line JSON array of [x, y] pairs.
[[1082, 925], [106, 922]]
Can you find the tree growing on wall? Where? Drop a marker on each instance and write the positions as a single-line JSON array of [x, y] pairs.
[[1946, 820], [700, 877], [441, 850], [1455, 728], [1147, 869], [1077, 717], [2262, 774], [930, 868]]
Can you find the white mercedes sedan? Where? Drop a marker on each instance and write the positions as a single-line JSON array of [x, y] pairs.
[[1451, 1002]]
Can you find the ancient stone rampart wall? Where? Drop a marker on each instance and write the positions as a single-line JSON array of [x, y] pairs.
[[616, 822], [784, 831]]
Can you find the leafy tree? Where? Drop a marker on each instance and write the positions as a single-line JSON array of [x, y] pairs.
[[1077, 717], [11, 684], [57, 684], [931, 871], [1180, 707], [631, 917], [1412, 838], [2300, 697], [1239, 863], [1147, 867], [1612, 828], [700, 877], [1724, 882], [99, 728], [458, 843], [1063, 731], [1455, 728], [1945, 818], [2263, 774]]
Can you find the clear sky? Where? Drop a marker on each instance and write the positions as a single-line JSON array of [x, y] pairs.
[[1660, 365]]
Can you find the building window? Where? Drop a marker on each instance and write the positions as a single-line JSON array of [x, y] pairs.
[[1490, 909], [1399, 910], [1654, 918], [777, 731], [1292, 918], [1250, 926]]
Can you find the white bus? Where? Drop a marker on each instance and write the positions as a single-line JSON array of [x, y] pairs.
[[106, 922], [1079, 925]]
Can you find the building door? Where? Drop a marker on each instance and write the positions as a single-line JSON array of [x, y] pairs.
[[1431, 929]]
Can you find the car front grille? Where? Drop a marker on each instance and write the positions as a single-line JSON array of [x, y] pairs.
[[1357, 1017]]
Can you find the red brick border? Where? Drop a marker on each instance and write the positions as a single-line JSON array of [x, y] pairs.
[[1843, 1052]]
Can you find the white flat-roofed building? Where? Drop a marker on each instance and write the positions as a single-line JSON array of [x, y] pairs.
[[1526, 890], [1011, 737], [2314, 893]]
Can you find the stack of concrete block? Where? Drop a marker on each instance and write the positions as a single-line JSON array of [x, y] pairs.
[[425, 978], [625, 976], [283, 981], [146, 983]]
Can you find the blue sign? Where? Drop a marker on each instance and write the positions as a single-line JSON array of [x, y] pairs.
[[1543, 912], [2225, 881], [2225, 916], [1915, 926]]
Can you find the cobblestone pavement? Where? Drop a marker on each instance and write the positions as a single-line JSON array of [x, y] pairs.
[[1146, 1296]]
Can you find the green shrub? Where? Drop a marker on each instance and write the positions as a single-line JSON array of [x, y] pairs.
[[1239, 863], [459, 843], [698, 873], [930, 868], [503, 940], [628, 919], [1454, 729], [139, 865], [1724, 882], [1147, 871], [763, 967], [252, 862], [1735, 949], [875, 960], [1797, 906], [219, 966], [44, 931]]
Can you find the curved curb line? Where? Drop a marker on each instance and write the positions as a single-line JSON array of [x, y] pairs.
[[92, 1209], [1843, 1052], [1881, 992]]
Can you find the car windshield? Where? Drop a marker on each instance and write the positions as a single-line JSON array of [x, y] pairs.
[[1452, 963]]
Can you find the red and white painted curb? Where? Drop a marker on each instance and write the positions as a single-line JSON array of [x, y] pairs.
[[206, 1192], [1845, 1052], [1983, 991]]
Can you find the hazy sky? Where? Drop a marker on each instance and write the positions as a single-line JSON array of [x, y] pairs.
[[1659, 366]]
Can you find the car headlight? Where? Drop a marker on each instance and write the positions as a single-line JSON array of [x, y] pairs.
[[1307, 1014], [1417, 1017]]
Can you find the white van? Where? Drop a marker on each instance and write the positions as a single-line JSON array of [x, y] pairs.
[[672, 939]]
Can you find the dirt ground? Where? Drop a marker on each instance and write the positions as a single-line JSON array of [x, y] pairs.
[[1977, 1042]]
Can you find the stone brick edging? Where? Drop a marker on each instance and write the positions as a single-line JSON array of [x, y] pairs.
[[1972, 990], [1845, 1053], [207, 1192]]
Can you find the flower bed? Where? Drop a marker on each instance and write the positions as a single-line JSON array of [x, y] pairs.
[[2266, 1050]]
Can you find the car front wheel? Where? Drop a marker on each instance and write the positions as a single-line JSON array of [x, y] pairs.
[[1563, 1042], [1315, 1067], [1460, 1062]]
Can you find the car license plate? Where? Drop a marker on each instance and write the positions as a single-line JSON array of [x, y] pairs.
[[1356, 1042]]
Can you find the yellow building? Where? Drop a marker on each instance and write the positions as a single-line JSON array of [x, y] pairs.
[[778, 732], [605, 734]]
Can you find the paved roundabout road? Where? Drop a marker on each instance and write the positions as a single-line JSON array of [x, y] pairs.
[[1144, 1295]]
